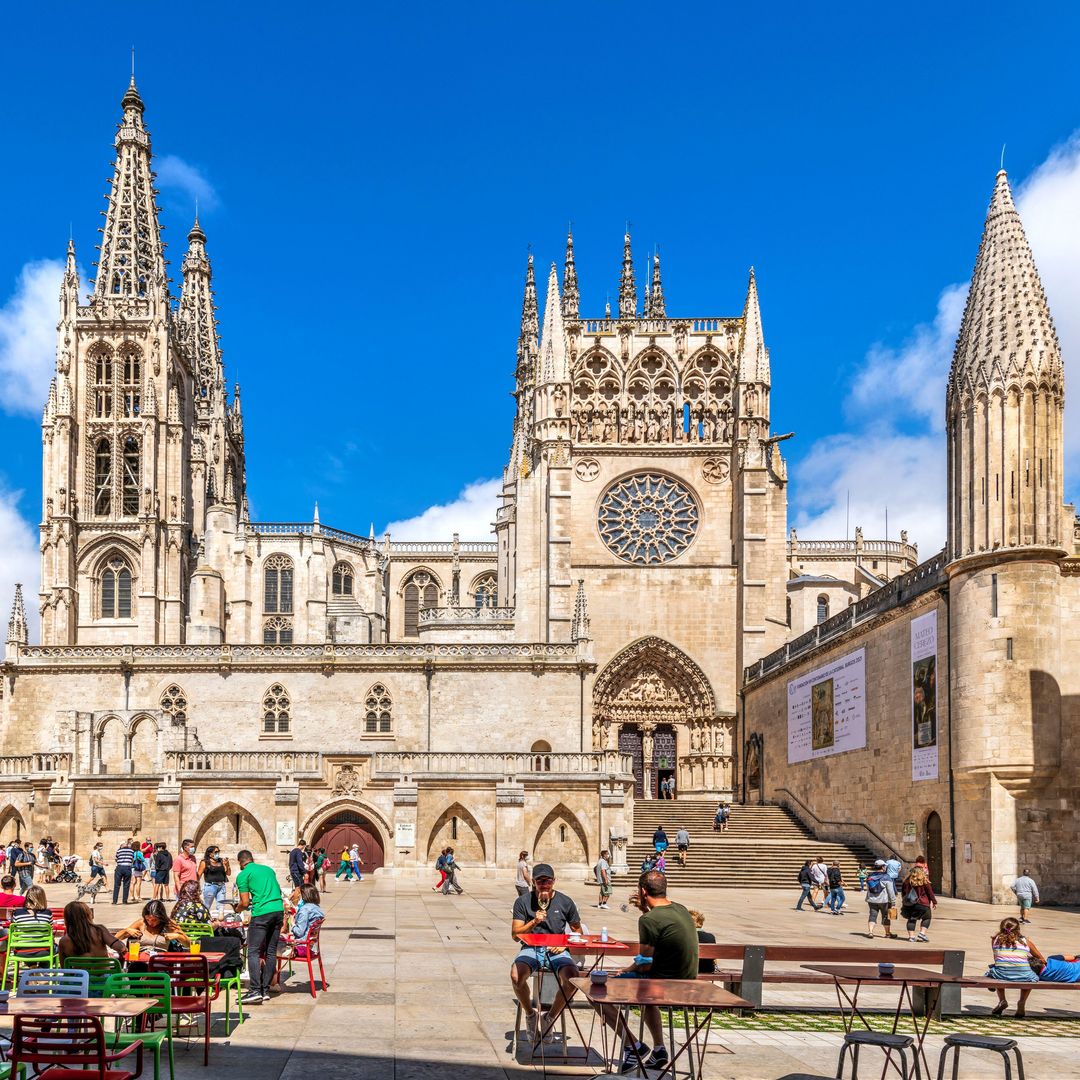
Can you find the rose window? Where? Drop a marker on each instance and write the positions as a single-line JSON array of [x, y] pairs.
[[648, 519]]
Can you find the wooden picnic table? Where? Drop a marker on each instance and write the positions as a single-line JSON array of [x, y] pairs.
[[701, 998]]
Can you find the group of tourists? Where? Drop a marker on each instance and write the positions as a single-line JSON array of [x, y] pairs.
[[447, 867], [25, 861]]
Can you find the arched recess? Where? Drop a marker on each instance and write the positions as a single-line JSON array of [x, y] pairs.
[[468, 843], [232, 827], [110, 744], [317, 821], [12, 824], [565, 846], [143, 744]]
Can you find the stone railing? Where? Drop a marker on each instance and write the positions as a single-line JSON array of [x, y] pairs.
[[243, 761], [470, 616], [810, 549], [536, 765], [924, 577], [442, 547], [29, 764], [708, 325], [308, 528]]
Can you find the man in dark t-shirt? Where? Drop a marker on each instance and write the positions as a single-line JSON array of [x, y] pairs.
[[667, 949], [542, 910]]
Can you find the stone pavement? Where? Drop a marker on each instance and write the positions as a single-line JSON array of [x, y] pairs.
[[419, 987]]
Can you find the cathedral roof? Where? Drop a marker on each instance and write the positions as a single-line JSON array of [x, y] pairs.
[[1007, 333]]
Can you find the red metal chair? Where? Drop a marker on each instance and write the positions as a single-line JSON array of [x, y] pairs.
[[306, 951], [192, 989], [68, 1048]]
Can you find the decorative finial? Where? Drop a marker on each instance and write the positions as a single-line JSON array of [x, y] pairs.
[[1001, 167]]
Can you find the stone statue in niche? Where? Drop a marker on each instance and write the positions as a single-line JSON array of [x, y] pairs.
[[608, 431], [559, 397], [695, 740], [751, 401]]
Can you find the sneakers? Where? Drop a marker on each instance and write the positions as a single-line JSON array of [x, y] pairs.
[[254, 997], [658, 1058], [923, 937], [630, 1059], [532, 1021]]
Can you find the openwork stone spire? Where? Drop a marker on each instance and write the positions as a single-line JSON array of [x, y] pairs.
[[553, 342], [656, 307], [753, 356], [1007, 332], [579, 630], [17, 631], [571, 302], [132, 261], [198, 326], [627, 285]]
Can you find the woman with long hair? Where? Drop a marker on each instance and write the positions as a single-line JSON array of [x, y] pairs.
[[215, 871], [917, 902], [155, 930], [83, 936], [1016, 959], [189, 907]]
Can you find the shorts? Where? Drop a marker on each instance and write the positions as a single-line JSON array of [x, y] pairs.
[[1025, 903], [160, 877], [605, 890], [883, 909], [684, 847], [540, 959]]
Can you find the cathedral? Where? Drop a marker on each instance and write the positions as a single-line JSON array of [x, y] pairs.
[[249, 683]]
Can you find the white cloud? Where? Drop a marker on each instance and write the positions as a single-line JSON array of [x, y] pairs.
[[28, 337], [21, 561], [894, 451], [470, 516], [175, 172]]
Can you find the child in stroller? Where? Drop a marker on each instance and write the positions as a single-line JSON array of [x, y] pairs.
[[69, 874]]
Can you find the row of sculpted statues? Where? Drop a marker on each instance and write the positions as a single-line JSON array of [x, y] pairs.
[[594, 420]]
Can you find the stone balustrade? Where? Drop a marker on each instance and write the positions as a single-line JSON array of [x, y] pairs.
[[469, 616], [31, 764], [244, 762], [541, 765], [848, 549]]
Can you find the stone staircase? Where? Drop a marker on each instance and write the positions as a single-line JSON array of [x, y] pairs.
[[763, 848]]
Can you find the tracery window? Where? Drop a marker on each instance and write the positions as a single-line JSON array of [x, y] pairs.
[[484, 590], [278, 631], [278, 585], [103, 480], [420, 592], [103, 383], [116, 589], [648, 518], [822, 608], [174, 705], [131, 373], [276, 708], [378, 711], [342, 580], [130, 492]]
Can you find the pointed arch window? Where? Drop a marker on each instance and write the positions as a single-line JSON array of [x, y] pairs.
[[130, 499], [131, 373], [484, 590], [103, 478], [278, 585], [343, 579], [278, 631], [822, 608], [276, 710], [116, 589], [103, 384], [420, 592], [174, 706], [378, 711]]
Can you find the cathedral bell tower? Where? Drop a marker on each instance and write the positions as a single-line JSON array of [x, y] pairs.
[[116, 525]]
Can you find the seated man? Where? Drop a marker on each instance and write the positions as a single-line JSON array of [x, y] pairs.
[[542, 910], [667, 949], [9, 898]]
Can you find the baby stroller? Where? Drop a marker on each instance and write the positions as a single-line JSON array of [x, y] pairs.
[[69, 875]]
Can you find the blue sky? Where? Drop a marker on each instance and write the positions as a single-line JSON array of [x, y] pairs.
[[370, 179]]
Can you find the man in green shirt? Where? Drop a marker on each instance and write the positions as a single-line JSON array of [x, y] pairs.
[[261, 894], [667, 949]]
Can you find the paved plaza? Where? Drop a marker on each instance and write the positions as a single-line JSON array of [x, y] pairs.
[[419, 987]]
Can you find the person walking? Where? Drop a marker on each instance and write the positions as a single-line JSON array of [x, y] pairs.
[[1027, 893], [214, 871], [602, 872], [451, 881], [355, 861], [260, 894], [726, 817], [894, 868], [917, 901], [185, 866], [880, 899], [837, 896], [297, 863], [440, 869], [682, 845], [97, 861], [863, 874], [660, 840], [162, 866], [820, 873], [806, 883], [344, 867], [123, 861], [22, 865], [523, 880]]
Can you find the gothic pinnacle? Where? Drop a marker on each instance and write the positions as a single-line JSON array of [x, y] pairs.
[[17, 622], [753, 356], [131, 98], [658, 307], [553, 342], [627, 285], [571, 298], [530, 319]]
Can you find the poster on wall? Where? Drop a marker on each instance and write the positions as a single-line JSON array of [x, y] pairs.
[[924, 732], [827, 709]]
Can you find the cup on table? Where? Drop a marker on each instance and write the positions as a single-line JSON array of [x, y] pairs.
[[133, 951], [886, 969], [195, 946], [598, 977]]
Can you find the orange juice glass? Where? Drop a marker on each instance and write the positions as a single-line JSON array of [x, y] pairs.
[[133, 950], [195, 947]]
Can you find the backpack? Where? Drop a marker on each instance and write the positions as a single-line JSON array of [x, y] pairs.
[[137, 860], [876, 882]]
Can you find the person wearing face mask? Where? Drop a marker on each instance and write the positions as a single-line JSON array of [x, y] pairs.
[[214, 871], [542, 910], [185, 866]]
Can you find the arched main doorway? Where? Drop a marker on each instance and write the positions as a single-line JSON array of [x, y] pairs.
[[344, 829], [933, 849]]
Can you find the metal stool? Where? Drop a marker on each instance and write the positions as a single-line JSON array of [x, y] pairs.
[[548, 985], [891, 1044], [980, 1042]]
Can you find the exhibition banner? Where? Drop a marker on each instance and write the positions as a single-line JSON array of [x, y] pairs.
[[924, 740], [827, 709]]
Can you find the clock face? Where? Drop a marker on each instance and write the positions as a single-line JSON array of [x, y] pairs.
[[648, 518]]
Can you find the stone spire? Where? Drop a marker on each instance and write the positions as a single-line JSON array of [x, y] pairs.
[[525, 376], [753, 356], [17, 631], [553, 341], [132, 261], [579, 630], [1007, 332], [657, 304], [571, 301], [198, 326], [627, 285], [69, 287]]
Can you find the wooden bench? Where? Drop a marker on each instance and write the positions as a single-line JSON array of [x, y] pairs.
[[746, 980]]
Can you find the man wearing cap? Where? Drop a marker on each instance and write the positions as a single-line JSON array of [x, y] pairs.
[[880, 897], [542, 910]]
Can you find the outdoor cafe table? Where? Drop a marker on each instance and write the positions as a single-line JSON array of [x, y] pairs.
[[903, 976], [689, 995], [144, 957], [44, 1005]]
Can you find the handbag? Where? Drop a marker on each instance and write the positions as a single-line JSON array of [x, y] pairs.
[[892, 914]]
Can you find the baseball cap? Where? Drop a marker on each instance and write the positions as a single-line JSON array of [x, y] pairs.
[[543, 870], [880, 862]]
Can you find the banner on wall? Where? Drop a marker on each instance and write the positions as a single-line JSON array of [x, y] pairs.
[[827, 709], [924, 728]]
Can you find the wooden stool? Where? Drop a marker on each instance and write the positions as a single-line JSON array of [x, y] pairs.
[[891, 1044], [981, 1042]]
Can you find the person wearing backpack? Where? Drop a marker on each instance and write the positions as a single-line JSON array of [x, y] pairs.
[[880, 898], [138, 871], [806, 883], [918, 902], [837, 896]]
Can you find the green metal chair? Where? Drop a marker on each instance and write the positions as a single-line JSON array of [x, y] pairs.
[[143, 984], [229, 982], [28, 944], [99, 968]]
